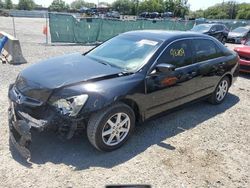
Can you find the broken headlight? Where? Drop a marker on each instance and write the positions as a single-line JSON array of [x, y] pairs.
[[70, 106]]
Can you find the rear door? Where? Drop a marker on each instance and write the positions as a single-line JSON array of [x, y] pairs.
[[210, 60]]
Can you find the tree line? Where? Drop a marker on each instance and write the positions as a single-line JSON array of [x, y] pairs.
[[179, 8], [22, 4], [224, 10]]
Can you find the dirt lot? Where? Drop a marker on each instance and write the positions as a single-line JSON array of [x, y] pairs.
[[198, 146]]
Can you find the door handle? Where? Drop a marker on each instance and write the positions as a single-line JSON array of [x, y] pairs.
[[191, 74]]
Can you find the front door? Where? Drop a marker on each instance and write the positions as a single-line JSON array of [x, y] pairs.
[[173, 88], [217, 32]]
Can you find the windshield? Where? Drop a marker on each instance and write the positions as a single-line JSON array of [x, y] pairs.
[[240, 30], [201, 28], [126, 52]]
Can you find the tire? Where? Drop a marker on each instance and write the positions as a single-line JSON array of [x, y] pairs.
[[104, 127], [223, 40], [220, 93]]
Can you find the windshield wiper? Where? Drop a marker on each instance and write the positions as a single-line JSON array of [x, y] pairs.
[[101, 61]]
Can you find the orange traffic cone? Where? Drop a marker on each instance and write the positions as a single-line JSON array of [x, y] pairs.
[[45, 30]]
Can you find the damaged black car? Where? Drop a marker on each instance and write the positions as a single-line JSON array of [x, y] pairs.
[[125, 80]]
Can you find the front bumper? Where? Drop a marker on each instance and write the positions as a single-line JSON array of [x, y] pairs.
[[20, 125], [235, 40], [244, 65], [25, 116]]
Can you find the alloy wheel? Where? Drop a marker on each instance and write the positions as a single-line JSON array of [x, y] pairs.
[[116, 129], [222, 90]]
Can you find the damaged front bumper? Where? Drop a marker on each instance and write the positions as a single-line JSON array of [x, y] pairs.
[[20, 125], [27, 114]]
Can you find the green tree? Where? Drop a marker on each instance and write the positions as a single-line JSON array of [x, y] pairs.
[[1, 4], [180, 8], [196, 14], [152, 6], [123, 6], [170, 5], [243, 11], [135, 7], [26, 5], [77, 4], [8, 4], [59, 6], [227, 10]]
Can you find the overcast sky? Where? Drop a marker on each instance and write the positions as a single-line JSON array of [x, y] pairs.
[[194, 4]]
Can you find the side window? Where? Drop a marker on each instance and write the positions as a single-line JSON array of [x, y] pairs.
[[205, 50], [213, 28], [179, 54], [220, 28]]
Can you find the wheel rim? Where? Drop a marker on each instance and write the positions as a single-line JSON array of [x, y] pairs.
[[222, 90], [116, 129]]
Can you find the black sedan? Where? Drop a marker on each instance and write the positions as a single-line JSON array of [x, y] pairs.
[[218, 31], [127, 79]]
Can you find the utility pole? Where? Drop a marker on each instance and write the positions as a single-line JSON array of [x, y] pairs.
[[14, 26]]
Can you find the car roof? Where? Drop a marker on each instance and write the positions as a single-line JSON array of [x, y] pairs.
[[246, 27], [165, 35], [212, 24]]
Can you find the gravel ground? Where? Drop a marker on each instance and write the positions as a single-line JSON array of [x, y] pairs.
[[200, 145]]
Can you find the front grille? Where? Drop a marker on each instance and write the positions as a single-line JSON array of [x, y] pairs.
[[245, 67], [231, 40], [20, 98]]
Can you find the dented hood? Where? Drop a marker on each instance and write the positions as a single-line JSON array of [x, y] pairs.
[[65, 70]]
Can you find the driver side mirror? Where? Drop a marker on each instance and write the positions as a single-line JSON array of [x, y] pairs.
[[164, 68]]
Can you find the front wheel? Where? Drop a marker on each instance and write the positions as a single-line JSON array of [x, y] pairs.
[[220, 92], [110, 128], [223, 40]]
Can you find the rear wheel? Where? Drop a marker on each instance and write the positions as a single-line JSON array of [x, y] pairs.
[[220, 92], [110, 128]]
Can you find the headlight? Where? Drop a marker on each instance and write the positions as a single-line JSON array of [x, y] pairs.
[[70, 106]]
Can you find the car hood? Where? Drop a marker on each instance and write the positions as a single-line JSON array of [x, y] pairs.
[[202, 32], [234, 34], [38, 80]]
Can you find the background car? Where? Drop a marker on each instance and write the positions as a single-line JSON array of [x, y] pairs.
[[151, 15], [218, 31], [167, 15], [244, 55], [113, 14], [144, 15], [239, 34], [154, 15]]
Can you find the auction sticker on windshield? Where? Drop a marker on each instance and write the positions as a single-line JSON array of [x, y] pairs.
[[148, 42]]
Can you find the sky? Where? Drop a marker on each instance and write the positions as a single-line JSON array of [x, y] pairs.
[[194, 4]]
